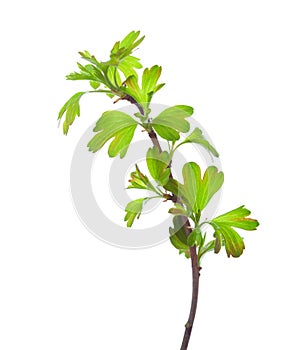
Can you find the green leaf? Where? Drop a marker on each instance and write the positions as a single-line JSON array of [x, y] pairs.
[[210, 246], [196, 192], [171, 121], [87, 72], [132, 88], [94, 84], [173, 186], [90, 58], [133, 210], [237, 218], [178, 235], [227, 236], [115, 124], [150, 78], [194, 238], [158, 165], [128, 65], [191, 189], [140, 181], [129, 40], [197, 137], [211, 183], [72, 109]]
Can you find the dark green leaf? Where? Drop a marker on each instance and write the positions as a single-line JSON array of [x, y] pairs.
[[158, 165], [115, 124], [178, 235]]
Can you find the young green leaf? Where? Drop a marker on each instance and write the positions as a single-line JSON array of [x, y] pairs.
[[227, 236], [150, 78], [211, 183], [140, 181], [158, 165], [115, 124], [128, 66], [194, 238], [197, 192], [210, 246], [237, 218], [72, 109], [133, 210], [171, 121], [197, 137]]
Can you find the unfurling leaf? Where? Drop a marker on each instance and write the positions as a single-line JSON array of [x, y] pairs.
[[197, 137], [140, 181], [133, 210], [158, 165], [72, 109], [171, 121], [117, 125]]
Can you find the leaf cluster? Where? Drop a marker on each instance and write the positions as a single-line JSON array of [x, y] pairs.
[[118, 76]]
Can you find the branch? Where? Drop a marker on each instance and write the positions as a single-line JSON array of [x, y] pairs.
[[193, 251]]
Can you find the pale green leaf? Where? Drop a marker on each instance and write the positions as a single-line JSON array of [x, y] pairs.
[[71, 109], [115, 124], [197, 137], [133, 210], [173, 120], [158, 165], [211, 183], [238, 218]]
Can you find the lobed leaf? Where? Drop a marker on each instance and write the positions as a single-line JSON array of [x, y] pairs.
[[171, 121], [72, 109], [117, 125], [227, 236], [238, 218], [133, 210], [197, 137], [197, 192]]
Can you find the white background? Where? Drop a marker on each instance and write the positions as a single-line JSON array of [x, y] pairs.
[[61, 288]]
